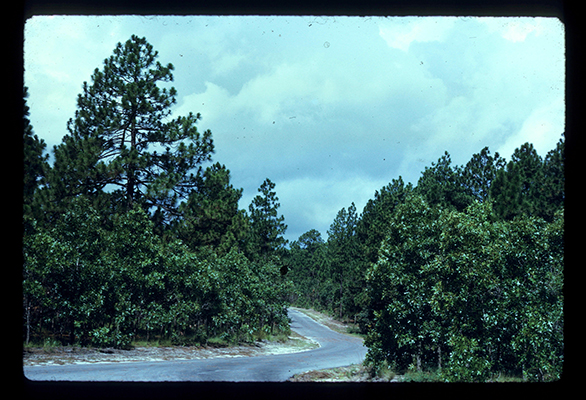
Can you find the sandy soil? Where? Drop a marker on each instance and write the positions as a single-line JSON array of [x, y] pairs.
[[79, 355]]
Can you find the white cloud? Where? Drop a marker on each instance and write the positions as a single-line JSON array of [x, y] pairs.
[[516, 29], [400, 32], [213, 104], [315, 201], [543, 128]]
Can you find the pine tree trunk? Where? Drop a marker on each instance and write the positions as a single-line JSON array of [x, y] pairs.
[[439, 357], [131, 171]]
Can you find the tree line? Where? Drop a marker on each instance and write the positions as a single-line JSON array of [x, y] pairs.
[[126, 235], [133, 232], [461, 274]]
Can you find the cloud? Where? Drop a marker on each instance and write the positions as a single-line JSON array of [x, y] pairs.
[[400, 32], [313, 202], [330, 109], [543, 128], [516, 29]]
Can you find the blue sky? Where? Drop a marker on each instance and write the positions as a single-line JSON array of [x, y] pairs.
[[329, 108]]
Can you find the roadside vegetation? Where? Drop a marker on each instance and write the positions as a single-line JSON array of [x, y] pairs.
[[133, 236], [459, 278], [365, 372]]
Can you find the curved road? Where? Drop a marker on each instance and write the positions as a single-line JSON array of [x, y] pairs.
[[335, 350]]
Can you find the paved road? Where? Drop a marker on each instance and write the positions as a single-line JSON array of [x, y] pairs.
[[335, 350]]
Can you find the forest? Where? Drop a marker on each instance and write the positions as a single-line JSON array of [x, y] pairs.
[[128, 237], [134, 233], [461, 275]]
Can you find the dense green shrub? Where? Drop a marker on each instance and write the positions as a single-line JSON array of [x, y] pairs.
[[469, 294], [105, 287]]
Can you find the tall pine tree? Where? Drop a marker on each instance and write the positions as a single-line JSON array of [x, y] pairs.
[[266, 226], [480, 172], [124, 140], [441, 184]]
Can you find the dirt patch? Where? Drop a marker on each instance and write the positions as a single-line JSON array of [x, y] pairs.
[[83, 355]]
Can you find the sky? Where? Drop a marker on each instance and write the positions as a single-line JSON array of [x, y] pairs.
[[330, 109]]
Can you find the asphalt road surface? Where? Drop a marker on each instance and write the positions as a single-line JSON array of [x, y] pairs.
[[335, 350]]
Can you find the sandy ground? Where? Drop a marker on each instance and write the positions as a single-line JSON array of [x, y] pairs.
[[82, 355]]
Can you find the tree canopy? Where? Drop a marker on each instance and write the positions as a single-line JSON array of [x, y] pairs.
[[124, 140], [131, 236], [461, 274], [133, 232]]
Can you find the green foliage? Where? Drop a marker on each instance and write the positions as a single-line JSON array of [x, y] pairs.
[[442, 185], [461, 276], [122, 137], [372, 226], [307, 267], [343, 254], [266, 227], [35, 167], [105, 287], [471, 295], [480, 172], [210, 216]]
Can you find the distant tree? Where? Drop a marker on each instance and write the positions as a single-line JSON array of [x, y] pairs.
[[343, 253], [441, 184], [122, 136], [308, 267], [480, 172], [266, 226]]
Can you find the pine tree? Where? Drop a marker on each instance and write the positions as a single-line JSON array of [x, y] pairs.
[[519, 189], [344, 255], [506, 192], [307, 261], [553, 181], [441, 184], [530, 167], [373, 223], [266, 227], [480, 172], [123, 138], [210, 215]]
